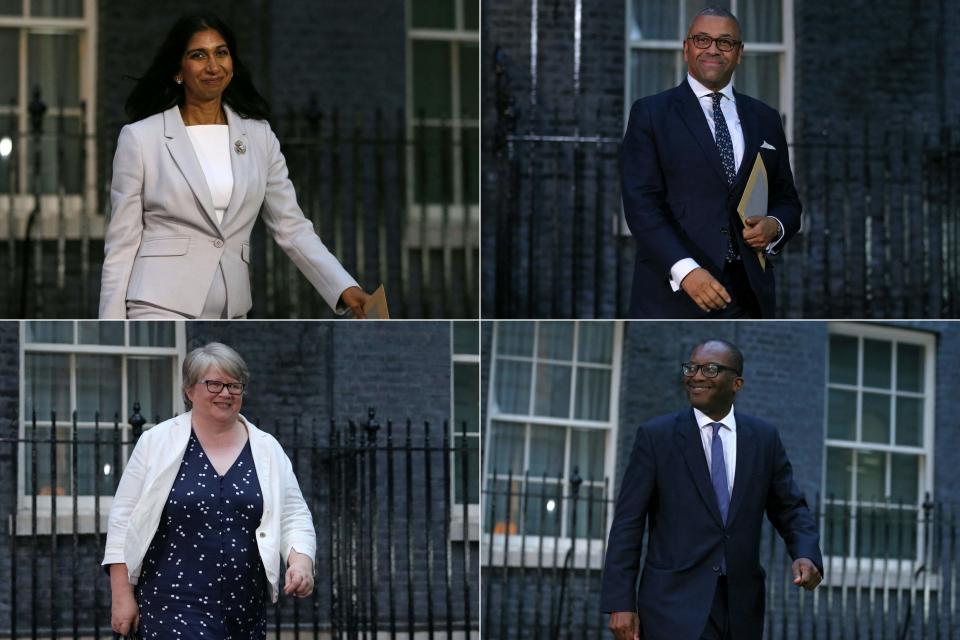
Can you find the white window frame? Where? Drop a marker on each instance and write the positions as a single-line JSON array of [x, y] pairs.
[[842, 570], [589, 551], [85, 503], [473, 508], [434, 233], [787, 49], [76, 221]]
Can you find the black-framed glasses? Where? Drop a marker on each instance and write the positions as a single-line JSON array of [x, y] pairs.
[[216, 386], [709, 369], [701, 41]]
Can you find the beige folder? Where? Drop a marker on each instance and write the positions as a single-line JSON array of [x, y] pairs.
[[376, 305], [754, 201]]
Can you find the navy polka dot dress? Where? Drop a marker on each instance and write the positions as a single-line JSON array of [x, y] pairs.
[[202, 578]]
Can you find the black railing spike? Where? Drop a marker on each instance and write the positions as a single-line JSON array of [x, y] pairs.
[[37, 108], [372, 426], [137, 421], [575, 481]]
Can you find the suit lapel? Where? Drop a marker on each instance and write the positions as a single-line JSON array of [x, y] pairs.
[[746, 461], [691, 446], [239, 163], [750, 125], [178, 142], [692, 115]]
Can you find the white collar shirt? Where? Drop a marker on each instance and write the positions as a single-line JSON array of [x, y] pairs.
[[728, 439]]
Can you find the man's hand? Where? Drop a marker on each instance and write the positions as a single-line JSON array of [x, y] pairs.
[[705, 290], [625, 625], [805, 574], [760, 231]]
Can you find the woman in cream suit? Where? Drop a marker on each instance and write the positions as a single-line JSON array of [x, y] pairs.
[[190, 177]]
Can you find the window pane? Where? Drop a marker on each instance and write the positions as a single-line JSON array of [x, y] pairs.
[[46, 451], [759, 76], [839, 473], [512, 391], [593, 394], [98, 386], [57, 8], [555, 341], [471, 14], [466, 406], [432, 14], [876, 363], [553, 391], [904, 478], [903, 533], [909, 367], [876, 418], [502, 511], [547, 445], [47, 380], [108, 472], [53, 63], [470, 174], [887, 533], [587, 511], [515, 338], [654, 71], [466, 464], [761, 20], [100, 332], [587, 452], [595, 342], [469, 81], [843, 359], [506, 453], [545, 504], [837, 532], [842, 414], [152, 334], [11, 8], [656, 20], [47, 331], [431, 79], [871, 524], [466, 337], [9, 67], [54, 146], [871, 473], [433, 179], [910, 421], [150, 382]]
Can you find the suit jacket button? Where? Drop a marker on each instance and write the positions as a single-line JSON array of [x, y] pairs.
[[716, 567], [263, 534], [218, 243]]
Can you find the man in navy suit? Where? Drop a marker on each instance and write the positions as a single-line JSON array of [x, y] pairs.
[[684, 164], [703, 477]]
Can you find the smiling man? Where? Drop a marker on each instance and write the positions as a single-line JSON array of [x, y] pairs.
[[704, 477], [684, 164]]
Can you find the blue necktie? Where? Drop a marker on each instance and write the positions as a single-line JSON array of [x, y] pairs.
[[718, 476], [725, 145]]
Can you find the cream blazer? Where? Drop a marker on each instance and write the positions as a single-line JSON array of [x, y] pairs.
[[146, 482], [163, 243]]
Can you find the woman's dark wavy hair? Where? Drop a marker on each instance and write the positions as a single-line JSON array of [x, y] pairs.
[[157, 91]]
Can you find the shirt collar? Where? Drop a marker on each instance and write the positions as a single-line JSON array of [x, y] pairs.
[[729, 420], [701, 91]]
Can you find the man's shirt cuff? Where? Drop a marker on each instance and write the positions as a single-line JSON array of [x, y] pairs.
[[772, 247], [680, 269]]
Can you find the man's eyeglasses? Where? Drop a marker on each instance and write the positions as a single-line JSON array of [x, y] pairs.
[[216, 386], [701, 41], [709, 370]]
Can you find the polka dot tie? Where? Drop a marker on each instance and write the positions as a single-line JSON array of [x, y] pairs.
[[725, 145]]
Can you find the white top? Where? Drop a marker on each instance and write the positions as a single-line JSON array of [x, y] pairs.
[[212, 145], [728, 439], [728, 106]]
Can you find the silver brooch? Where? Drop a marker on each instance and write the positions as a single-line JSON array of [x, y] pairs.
[[240, 147]]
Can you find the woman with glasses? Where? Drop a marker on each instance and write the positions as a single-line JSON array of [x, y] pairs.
[[205, 510]]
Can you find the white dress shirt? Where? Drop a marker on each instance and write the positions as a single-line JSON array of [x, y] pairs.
[[728, 439], [211, 142], [728, 106]]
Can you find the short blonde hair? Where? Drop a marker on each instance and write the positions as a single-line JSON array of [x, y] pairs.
[[212, 354]]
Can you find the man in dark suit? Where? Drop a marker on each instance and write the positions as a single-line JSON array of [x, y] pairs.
[[703, 477], [684, 164]]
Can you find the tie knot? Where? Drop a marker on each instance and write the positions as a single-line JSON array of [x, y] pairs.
[[717, 97], [716, 427]]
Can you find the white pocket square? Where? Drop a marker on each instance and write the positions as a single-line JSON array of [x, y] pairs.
[[767, 145]]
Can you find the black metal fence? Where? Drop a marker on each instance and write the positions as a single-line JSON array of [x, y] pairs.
[[891, 568], [394, 556], [881, 222], [396, 204]]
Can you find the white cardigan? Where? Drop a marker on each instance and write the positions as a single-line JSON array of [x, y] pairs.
[[286, 524]]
